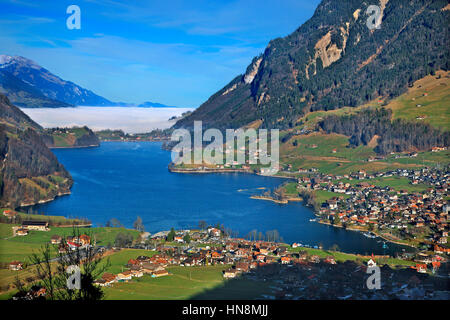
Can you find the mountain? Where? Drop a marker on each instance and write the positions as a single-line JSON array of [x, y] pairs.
[[29, 85], [29, 172], [24, 94], [334, 60], [149, 104]]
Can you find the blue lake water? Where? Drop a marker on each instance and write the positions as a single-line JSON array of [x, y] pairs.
[[124, 180]]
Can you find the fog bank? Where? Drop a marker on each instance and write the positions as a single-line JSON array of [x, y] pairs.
[[128, 119]]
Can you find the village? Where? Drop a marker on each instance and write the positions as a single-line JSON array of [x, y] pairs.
[[419, 219], [294, 271]]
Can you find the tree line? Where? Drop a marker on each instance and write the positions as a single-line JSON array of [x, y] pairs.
[[394, 136]]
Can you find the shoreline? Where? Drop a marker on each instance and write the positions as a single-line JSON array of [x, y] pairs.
[[22, 205], [76, 147], [156, 140], [364, 230], [284, 201]]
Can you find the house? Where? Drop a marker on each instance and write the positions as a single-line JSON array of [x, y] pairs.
[[242, 266], [21, 232], [84, 240], [15, 265], [133, 262], [214, 232], [261, 257], [150, 267], [137, 273], [332, 204], [35, 225], [73, 245], [216, 255], [55, 239], [178, 239], [330, 260], [371, 263], [422, 268], [160, 273], [124, 276], [230, 273], [107, 279], [285, 260], [9, 213]]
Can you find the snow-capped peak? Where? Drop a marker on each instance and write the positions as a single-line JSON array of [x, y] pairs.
[[6, 60]]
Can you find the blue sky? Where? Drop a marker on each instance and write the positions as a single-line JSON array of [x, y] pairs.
[[168, 51]]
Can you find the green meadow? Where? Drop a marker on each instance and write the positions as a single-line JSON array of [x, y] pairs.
[[21, 247], [201, 282]]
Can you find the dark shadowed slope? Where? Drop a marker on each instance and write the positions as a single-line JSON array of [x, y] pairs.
[[29, 171]]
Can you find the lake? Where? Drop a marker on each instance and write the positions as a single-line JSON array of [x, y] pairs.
[[124, 180]]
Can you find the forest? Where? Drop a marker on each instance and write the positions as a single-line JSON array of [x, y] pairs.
[[393, 136]]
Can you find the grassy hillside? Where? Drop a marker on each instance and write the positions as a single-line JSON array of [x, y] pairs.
[[428, 99], [304, 147], [71, 137]]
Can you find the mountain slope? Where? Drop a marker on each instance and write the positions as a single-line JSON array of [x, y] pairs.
[[23, 79], [29, 171], [25, 95], [149, 104], [334, 60]]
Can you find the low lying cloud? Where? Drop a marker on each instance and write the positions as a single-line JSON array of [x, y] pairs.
[[128, 119]]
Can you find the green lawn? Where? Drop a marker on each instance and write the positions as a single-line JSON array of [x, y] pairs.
[[323, 195], [59, 220], [395, 182], [119, 259], [21, 247], [291, 189], [341, 256], [182, 283]]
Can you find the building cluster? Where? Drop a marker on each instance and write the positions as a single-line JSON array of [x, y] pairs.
[[28, 225], [291, 271], [403, 214], [313, 278]]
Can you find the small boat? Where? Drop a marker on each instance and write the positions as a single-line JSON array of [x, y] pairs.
[[312, 220], [369, 235]]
